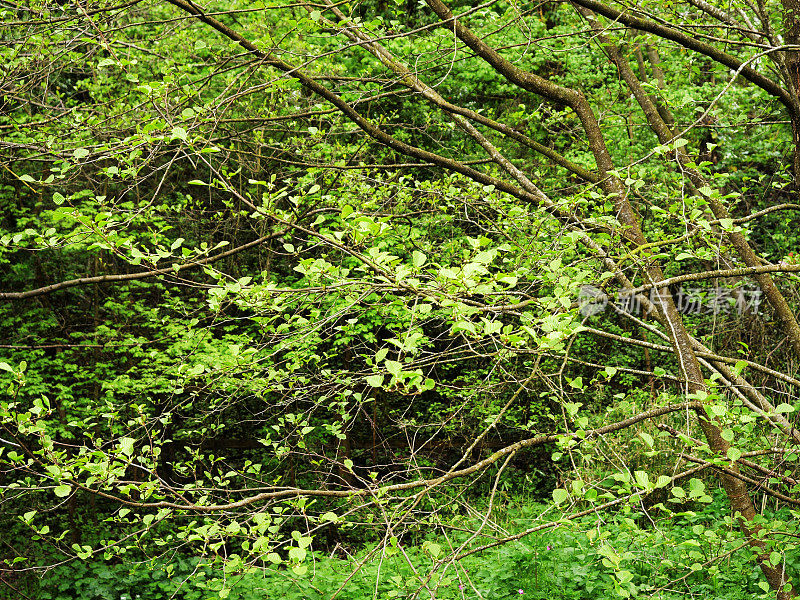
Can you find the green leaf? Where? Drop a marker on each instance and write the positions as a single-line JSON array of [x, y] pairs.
[[297, 554], [706, 191], [62, 491], [394, 367], [560, 495], [375, 380], [577, 383], [126, 445], [80, 153], [329, 516], [432, 548], [418, 259], [467, 326], [642, 479], [734, 454], [179, 133], [509, 280]]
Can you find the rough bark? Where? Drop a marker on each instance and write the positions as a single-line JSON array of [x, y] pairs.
[[791, 61], [665, 135], [735, 489]]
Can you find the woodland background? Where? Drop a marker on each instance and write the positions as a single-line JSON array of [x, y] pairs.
[[399, 299]]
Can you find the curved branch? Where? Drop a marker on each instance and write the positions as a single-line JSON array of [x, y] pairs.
[[687, 41], [401, 487], [61, 285]]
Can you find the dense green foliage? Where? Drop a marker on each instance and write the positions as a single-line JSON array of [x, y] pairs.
[[319, 300]]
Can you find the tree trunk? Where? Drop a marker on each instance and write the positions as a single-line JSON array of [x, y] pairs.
[[791, 58]]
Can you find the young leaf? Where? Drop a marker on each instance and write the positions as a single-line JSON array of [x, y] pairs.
[[418, 259]]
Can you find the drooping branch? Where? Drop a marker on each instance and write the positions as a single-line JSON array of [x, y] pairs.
[[123, 277], [282, 493], [692, 43]]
